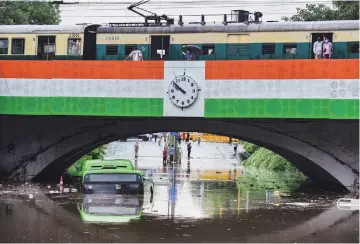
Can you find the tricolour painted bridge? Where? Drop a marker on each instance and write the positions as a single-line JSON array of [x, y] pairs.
[[52, 112]]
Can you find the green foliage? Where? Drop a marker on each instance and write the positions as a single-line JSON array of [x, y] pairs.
[[342, 10], [258, 180], [249, 147], [76, 168], [347, 10], [29, 13], [265, 159]]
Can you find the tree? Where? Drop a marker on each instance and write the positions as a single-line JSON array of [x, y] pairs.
[[29, 13], [342, 10]]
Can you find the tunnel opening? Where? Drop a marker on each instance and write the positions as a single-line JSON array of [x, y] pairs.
[[77, 135]]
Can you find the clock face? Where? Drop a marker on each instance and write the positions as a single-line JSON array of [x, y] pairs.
[[183, 91]]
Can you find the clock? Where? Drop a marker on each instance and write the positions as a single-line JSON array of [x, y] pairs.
[[183, 91]]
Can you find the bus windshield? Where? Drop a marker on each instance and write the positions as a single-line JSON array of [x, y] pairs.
[[103, 177]]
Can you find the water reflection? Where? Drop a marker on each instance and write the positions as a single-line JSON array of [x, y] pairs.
[[111, 209]]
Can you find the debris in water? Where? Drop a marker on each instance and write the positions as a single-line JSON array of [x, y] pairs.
[[73, 190], [186, 235], [302, 204], [31, 196], [0, 185], [228, 229], [66, 190], [48, 187]]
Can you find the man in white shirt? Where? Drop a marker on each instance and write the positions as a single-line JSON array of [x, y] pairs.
[[317, 48], [135, 55]]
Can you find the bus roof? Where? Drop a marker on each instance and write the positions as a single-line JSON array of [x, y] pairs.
[[118, 164]]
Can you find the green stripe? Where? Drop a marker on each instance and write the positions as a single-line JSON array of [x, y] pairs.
[[282, 108], [147, 107], [153, 107]]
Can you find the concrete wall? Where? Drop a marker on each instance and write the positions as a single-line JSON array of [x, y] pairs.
[[325, 150]]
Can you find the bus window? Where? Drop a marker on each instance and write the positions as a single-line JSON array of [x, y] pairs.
[[18, 46], [4, 44], [74, 46]]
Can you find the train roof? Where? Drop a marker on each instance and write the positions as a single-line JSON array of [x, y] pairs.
[[240, 27], [41, 29]]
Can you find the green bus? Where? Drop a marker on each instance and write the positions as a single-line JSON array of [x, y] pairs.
[[112, 177], [111, 209]]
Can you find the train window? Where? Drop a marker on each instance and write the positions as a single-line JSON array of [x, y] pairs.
[[111, 49], [74, 46], [129, 48], [268, 48], [18, 46], [353, 47], [208, 49], [4, 45], [289, 48]]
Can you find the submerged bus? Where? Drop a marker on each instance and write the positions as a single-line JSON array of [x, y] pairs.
[[111, 209], [112, 177]]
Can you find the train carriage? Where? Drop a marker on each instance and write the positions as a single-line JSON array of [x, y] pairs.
[[41, 42], [275, 40]]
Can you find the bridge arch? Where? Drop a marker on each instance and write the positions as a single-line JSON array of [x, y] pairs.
[[54, 143]]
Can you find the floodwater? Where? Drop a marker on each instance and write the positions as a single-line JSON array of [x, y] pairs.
[[186, 206]]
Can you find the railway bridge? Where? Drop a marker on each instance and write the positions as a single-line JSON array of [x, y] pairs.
[[53, 112]]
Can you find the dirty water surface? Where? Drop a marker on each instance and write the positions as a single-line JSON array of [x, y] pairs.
[[182, 208]]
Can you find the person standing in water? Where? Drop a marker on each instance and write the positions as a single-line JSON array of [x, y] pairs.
[[189, 149], [172, 153], [235, 147], [136, 149], [198, 138], [164, 155]]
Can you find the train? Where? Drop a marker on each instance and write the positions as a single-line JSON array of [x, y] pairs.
[[262, 41]]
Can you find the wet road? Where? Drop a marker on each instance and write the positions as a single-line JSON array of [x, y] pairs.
[[204, 156], [205, 200]]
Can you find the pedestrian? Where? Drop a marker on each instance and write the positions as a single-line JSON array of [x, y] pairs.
[[160, 138], [136, 149], [189, 149], [235, 147], [155, 136], [198, 138], [164, 155], [172, 153], [187, 137], [327, 49], [317, 48]]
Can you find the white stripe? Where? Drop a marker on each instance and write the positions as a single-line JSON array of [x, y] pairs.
[[291, 89], [82, 88]]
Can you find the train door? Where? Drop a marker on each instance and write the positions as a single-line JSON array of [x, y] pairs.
[[46, 47], [314, 37], [89, 51], [159, 47], [238, 47]]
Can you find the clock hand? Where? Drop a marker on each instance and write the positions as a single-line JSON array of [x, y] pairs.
[[179, 88]]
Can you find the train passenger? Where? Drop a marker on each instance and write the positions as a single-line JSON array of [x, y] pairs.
[[327, 49], [135, 55], [188, 55], [317, 49]]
